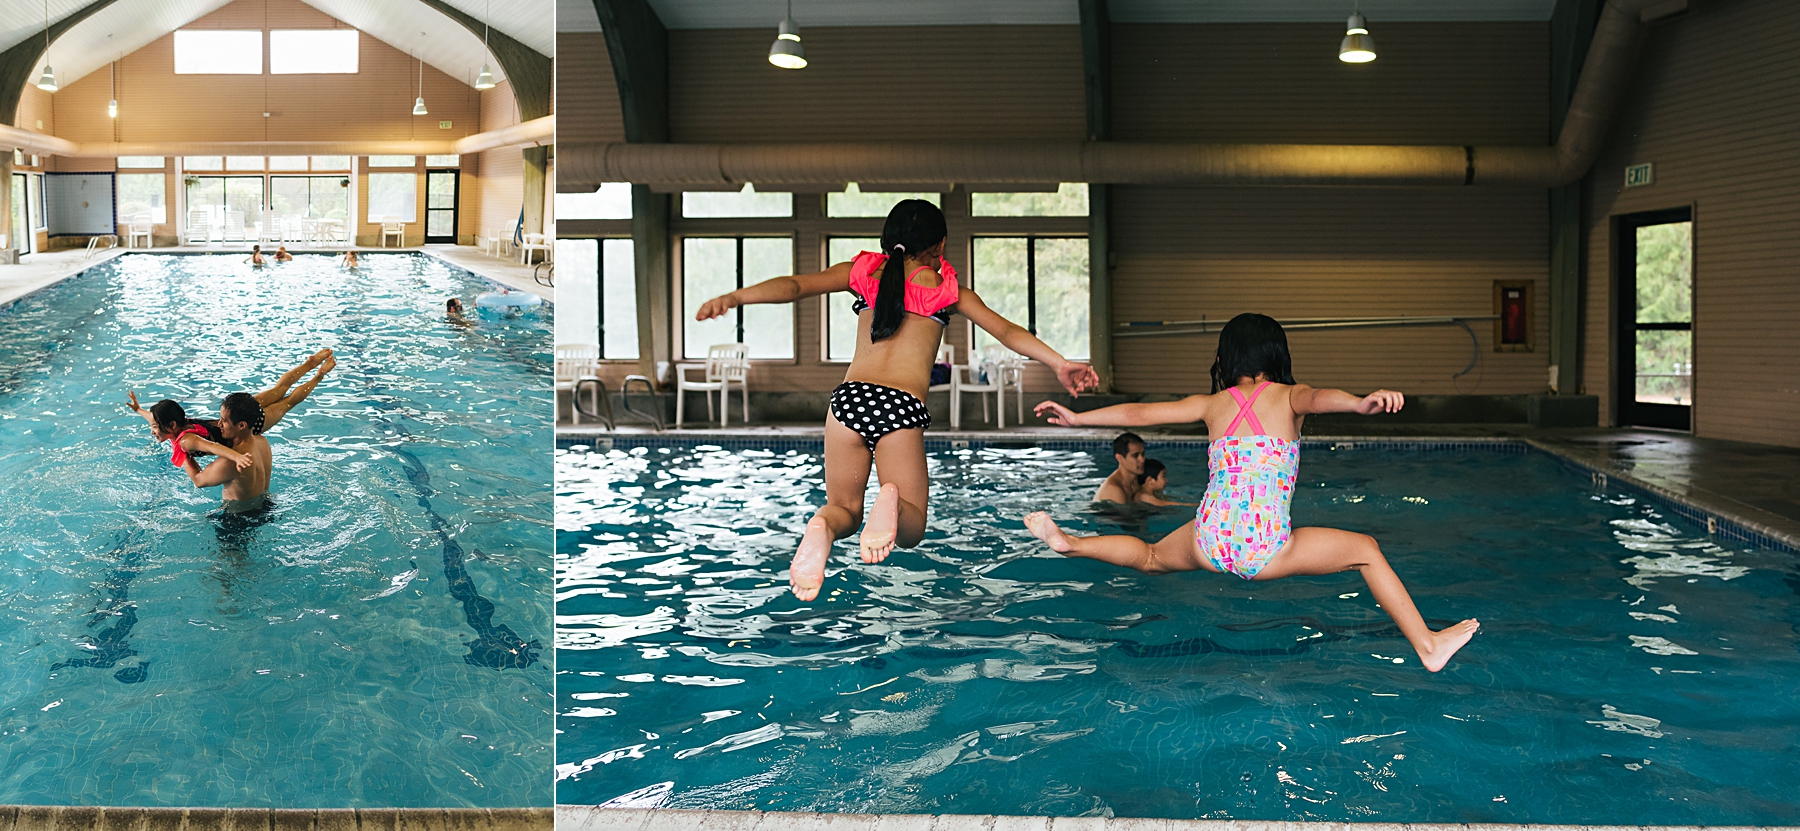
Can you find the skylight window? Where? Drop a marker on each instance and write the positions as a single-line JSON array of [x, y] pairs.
[[312, 52], [218, 52]]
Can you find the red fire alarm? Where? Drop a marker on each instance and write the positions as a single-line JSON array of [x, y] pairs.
[[1512, 310]]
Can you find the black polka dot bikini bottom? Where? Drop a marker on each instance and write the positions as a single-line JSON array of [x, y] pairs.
[[873, 410]]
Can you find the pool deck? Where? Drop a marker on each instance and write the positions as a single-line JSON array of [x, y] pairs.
[[57, 818], [585, 818], [36, 272], [1755, 486]]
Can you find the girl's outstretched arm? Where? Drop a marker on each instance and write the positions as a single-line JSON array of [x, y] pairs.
[[1186, 411], [1074, 376], [140, 410], [1305, 400], [779, 290]]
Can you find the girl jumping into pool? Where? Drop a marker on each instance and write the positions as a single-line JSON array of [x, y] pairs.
[[1243, 526], [905, 295]]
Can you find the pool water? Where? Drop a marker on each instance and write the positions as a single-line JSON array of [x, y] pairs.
[[1629, 670], [377, 636]]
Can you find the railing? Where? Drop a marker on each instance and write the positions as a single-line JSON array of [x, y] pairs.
[[112, 241], [1205, 326]]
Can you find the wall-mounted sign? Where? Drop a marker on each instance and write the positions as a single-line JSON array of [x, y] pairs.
[[1639, 175], [443, 125]]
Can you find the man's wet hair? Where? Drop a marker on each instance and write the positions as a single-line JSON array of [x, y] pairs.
[[1122, 444]]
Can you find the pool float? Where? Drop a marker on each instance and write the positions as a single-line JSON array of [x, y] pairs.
[[508, 302]]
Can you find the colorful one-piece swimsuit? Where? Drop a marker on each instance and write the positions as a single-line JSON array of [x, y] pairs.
[[1244, 519]]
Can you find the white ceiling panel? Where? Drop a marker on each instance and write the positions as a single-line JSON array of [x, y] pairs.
[[749, 14], [576, 16], [408, 25]]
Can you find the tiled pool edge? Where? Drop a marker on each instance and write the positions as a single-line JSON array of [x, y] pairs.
[[591, 818], [60, 818]]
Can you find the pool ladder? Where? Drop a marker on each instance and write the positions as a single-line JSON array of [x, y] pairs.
[[603, 412]]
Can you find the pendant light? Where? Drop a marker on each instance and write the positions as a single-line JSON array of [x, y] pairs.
[[1358, 46], [47, 82], [112, 105], [486, 79], [419, 105], [786, 52]]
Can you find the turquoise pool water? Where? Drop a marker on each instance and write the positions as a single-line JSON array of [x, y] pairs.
[[1630, 669], [377, 637]]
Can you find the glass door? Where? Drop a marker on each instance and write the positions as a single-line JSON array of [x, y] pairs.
[[1656, 319], [22, 237], [231, 206], [440, 206]]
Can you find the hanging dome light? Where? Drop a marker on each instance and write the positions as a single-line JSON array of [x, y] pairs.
[[786, 52], [47, 81], [112, 74], [1358, 46], [485, 80], [112, 108], [419, 105]]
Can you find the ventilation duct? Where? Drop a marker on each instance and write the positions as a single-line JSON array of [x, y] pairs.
[[584, 166]]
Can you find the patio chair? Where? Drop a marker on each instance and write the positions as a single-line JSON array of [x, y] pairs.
[[199, 227], [577, 362], [390, 226], [726, 364], [140, 227]]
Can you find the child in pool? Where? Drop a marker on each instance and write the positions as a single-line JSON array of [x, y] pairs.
[[349, 260], [1243, 527], [256, 256], [170, 423], [904, 297], [1153, 482]]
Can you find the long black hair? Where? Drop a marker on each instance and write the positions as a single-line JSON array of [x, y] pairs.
[[913, 227], [1252, 345], [172, 419]]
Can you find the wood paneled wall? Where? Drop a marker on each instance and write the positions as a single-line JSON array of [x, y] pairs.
[[1711, 105], [155, 104], [587, 98], [494, 193]]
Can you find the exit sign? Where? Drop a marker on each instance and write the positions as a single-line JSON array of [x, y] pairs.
[[1639, 175], [443, 125]]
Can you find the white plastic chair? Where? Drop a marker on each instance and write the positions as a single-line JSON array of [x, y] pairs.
[[726, 364], [290, 229], [140, 227], [997, 366], [391, 226], [234, 226], [199, 227], [270, 229], [530, 244], [574, 362]]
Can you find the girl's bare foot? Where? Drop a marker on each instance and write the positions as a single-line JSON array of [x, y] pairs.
[[879, 529], [1446, 641], [316, 358], [1044, 528], [329, 364], [807, 573]]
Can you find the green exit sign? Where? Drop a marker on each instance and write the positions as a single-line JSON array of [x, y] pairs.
[[1639, 175], [443, 125]]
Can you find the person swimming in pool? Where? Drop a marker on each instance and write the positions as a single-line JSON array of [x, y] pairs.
[[1243, 527], [1153, 481], [349, 260], [187, 437], [256, 256], [282, 255], [1124, 483], [905, 295]]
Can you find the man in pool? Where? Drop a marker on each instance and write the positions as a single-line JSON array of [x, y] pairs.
[[241, 424], [1125, 483]]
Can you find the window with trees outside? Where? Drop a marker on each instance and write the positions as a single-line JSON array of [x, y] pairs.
[[393, 195], [1040, 283], [711, 266], [596, 296], [840, 322], [142, 198]]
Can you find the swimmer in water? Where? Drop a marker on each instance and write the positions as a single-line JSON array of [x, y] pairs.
[[187, 437], [256, 256], [453, 307], [349, 260], [1244, 527], [282, 255], [1124, 483], [1153, 482]]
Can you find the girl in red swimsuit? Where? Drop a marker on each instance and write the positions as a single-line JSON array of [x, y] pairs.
[[905, 294], [187, 437]]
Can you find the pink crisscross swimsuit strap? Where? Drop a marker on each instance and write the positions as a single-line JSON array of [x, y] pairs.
[[1244, 411]]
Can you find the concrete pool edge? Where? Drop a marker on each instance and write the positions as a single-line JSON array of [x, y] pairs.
[[595, 818], [71, 818]]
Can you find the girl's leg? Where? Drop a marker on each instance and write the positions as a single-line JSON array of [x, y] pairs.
[[846, 475], [1178, 551], [1329, 551], [292, 377], [273, 411], [898, 517]]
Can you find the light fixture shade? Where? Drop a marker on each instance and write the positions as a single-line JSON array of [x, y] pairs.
[[419, 107], [786, 52], [112, 108], [47, 81], [485, 80], [1358, 46]]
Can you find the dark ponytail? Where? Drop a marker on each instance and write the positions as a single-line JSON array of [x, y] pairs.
[[913, 227]]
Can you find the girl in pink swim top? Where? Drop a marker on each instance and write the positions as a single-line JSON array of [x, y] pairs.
[[186, 436], [1242, 527], [904, 296]]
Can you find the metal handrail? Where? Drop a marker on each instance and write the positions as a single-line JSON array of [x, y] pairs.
[[547, 279], [1204, 326], [604, 398], [655, 415]]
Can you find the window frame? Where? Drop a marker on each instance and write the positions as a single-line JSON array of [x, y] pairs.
[[355, 51], [262, 50], [1031, 309], [678, 260]]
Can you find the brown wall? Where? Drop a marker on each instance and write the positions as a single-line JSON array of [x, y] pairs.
[[493, 203], [1710, 104], [155, 104], [587, 99]]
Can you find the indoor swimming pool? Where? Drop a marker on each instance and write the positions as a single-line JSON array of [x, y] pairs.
[[377, 636], [1631, 669]]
